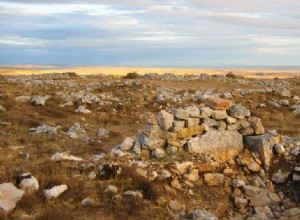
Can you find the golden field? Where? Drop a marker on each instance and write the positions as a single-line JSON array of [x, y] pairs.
[[249, 73]]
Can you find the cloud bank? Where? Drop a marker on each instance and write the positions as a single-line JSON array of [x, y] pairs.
[[150, 32]]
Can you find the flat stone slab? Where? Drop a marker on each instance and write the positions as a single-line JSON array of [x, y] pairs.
[[222, 145]]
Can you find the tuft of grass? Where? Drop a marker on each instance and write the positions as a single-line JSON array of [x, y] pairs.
[[57, 214], [132, 75]]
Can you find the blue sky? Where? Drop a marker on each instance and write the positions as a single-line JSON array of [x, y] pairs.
[[189, 33]]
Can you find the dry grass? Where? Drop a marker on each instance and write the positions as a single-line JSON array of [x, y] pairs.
[[123, 123]]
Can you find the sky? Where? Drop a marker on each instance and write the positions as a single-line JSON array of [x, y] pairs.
[[172, 33]]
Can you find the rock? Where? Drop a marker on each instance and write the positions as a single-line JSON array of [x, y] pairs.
[[23, 98], [279, 148], [258, 196], [176, 206], [283, 102], [127, 144], [165, 119], [190, 131], [76, 131], [9, 197], [192, 122], [193, 111], [158, 152], [55, 191], [83, 110], [263, 145], [296, 177], [252, 190], [2, 108], [29, 183], [219, 104], [205, 112], [39, 100], [44, 129], [163, 174], [111, 190], [133, 194], [254, 167], [192, 175], [181, 114], [137, 147], [65, 156], [222, 145], [87, 202], [211, 122], [171, 149], [213, 179], [239, 111], [231, 120], [178, 125], [183, 167], [247, 131], [202, 214], [219, 114], [175, 183], [283, 91], [293, 212], [156, 131], [274, 197], [151, 143], [256, 124], [103, 132], [295, 99], [237, 183]]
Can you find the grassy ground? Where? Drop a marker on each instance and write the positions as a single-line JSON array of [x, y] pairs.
[[123, 123]]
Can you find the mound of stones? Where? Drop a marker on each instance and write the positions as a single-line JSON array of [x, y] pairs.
[[218, 129]]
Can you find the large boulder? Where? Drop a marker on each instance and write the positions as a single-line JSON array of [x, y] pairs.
[[263, 145], [222, 145], [9, 196]]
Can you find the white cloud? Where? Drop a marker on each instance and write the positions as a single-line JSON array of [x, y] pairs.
[[21, 41]]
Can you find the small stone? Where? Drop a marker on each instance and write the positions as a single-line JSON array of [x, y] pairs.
[[239, 111], [83, 110], [193, 175], [231, 120], [163, 174], [202, 214], [206, 112], [192, 122], [176, 206], [55, 191], [219, 104], [127, 144], [111, 190], [158, 152], [279, 148], [29, 183], [213, 179], [279, 177], [181, 114], [87, 202], [237, 183], [219, 114], [254, 167]]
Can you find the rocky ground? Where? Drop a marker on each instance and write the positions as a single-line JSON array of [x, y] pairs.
[[149, 147]]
